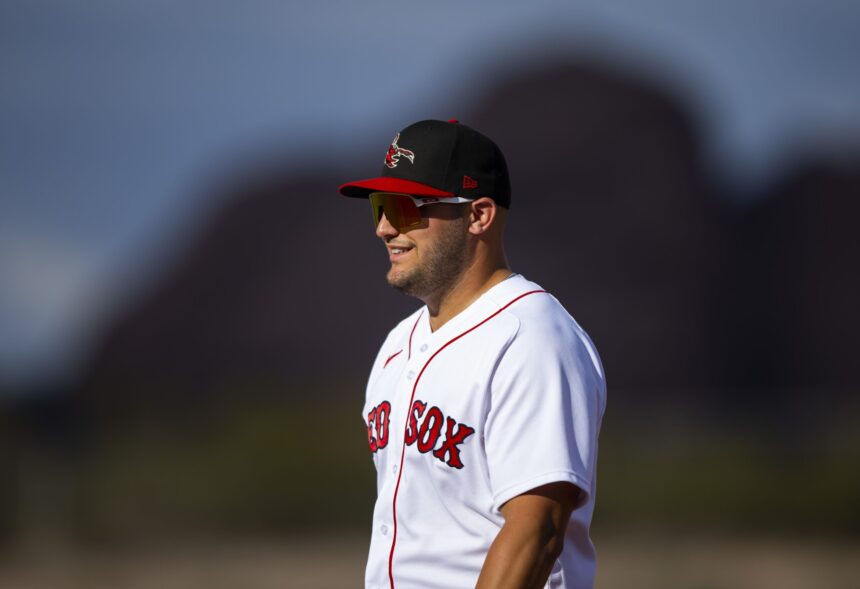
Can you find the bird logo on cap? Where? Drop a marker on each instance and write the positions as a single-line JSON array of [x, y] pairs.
[[394, 152]]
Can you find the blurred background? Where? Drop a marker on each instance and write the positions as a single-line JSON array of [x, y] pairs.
[[189, 310]]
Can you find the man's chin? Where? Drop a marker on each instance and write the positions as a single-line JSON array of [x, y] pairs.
[[401, 281]]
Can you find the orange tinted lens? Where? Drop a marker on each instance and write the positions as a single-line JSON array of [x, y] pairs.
[[399, 209]]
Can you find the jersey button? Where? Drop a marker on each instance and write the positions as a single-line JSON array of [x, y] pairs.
[[424, 348], [394, 469], [384, 529], [411, 375]]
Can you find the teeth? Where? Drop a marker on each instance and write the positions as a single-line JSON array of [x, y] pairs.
[[397, 250]]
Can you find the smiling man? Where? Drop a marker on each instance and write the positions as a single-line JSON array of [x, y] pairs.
[[484, 406]]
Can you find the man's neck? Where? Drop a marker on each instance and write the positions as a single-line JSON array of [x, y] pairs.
[[472, 283]]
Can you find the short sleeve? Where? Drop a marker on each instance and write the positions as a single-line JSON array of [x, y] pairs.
[[547, 399]]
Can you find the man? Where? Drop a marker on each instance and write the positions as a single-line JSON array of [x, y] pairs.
[[483, 407]]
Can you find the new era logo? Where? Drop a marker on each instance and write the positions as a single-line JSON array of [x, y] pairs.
[[469, 182]]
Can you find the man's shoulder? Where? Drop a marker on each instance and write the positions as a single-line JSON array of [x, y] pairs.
[[534, 308], [544, 325]]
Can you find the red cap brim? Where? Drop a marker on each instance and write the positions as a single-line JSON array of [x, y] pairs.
[[362, 188]]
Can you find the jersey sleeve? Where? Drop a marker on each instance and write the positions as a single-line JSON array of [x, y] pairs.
[[547, 399]]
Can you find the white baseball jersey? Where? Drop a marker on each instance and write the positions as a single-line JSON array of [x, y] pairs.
[[505, 397]]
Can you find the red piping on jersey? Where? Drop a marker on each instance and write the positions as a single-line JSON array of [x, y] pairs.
[[408, 412], [409, 354], [392, 357]]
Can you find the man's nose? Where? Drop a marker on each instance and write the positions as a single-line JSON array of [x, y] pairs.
[[385, 229]]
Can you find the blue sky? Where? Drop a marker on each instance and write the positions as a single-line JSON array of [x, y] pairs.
[[113, 112]]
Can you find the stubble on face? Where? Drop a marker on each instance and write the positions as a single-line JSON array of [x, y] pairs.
[[441, 264]]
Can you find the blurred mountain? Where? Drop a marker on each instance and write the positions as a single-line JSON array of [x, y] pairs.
[[614, 215], [278, 293], [790, 316], [283, 293]]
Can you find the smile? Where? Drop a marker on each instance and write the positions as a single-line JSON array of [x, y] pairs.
[[397, 253]]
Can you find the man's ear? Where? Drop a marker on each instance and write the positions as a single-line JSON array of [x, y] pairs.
[[482, 215]]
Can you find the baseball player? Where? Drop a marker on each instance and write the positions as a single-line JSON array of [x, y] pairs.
[[483, 407]]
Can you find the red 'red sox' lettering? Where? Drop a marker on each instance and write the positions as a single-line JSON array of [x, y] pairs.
[[430, 429], [452, 440], [412, 427], [423, 429], [377, 422]]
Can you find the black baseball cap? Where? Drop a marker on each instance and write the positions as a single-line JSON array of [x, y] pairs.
[[439, 158]]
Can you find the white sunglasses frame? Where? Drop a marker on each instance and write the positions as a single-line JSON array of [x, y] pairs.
[[420, 201]]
